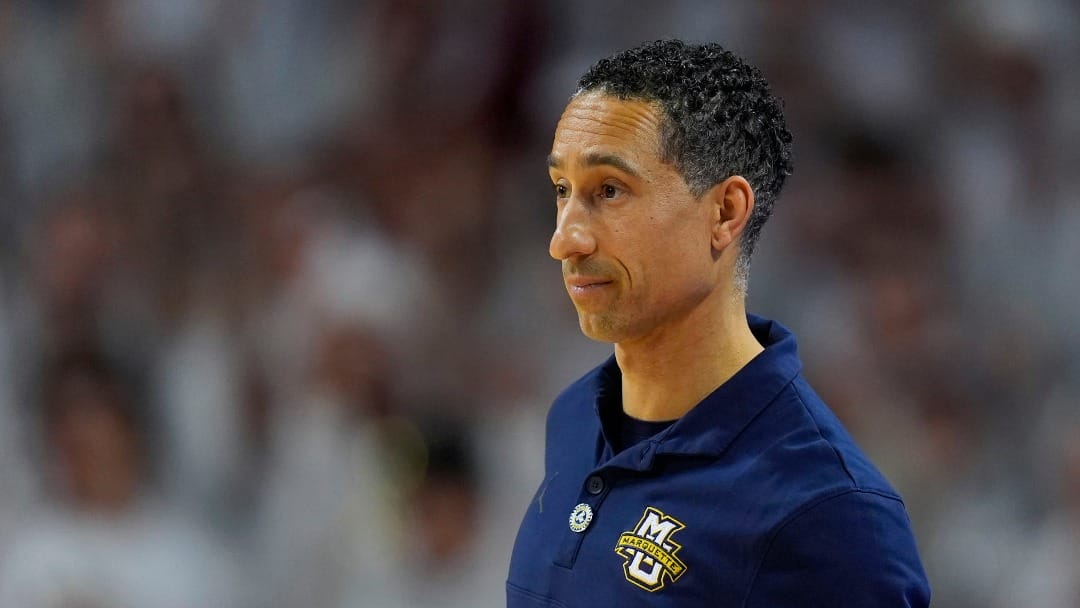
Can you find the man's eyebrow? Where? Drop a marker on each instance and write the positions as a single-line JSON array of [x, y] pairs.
[[595, 159]]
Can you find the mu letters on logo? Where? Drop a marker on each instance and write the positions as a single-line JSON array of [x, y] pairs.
[[649, 553]]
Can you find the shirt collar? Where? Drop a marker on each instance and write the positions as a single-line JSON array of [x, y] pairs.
[[710, 426]]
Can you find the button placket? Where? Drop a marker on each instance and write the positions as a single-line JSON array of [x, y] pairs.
[[581, 518]]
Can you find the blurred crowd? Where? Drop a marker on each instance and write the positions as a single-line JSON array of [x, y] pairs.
[[278, 327]]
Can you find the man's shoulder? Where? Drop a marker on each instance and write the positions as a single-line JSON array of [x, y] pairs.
[[855, 463], [801, 442], [853, 548]]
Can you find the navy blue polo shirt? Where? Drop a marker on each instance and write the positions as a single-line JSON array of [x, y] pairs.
[[756, 497]]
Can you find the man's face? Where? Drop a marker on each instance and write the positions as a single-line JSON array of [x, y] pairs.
[[634, 242]]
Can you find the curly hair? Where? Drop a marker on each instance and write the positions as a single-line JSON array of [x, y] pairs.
[[720, 119]]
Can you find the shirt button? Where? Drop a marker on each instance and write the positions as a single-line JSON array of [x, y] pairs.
[[594, 485]]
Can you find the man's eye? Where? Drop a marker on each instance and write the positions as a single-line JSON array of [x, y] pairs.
[[609, 191], [560, 191]]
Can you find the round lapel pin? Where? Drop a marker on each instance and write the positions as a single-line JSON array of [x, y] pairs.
[[580, 517]]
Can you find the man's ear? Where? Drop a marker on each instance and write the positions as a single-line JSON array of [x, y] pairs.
[[732, 202]]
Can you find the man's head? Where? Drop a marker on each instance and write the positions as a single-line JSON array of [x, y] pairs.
[[666, 164]]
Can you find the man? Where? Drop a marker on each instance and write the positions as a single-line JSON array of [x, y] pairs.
[[696, 467]]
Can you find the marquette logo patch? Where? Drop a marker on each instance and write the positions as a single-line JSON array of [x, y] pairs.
[[649, 554]]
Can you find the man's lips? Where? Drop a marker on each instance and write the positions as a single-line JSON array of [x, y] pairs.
[[582, 282]]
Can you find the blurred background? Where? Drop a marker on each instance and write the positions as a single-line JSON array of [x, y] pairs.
[[278, 326]]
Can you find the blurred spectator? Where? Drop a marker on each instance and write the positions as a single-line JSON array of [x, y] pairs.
[[74, 292], [101, 538], [449, 560], [328, 526], [1049, 573], [167, 196]]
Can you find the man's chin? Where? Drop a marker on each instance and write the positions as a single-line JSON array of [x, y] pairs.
[[599, 327]]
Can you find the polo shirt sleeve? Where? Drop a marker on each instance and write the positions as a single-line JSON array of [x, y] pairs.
[[855, 549]]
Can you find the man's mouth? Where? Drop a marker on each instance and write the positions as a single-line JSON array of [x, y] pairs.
[[581, 282]]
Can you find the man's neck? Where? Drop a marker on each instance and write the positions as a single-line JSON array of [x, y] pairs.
[[667, 373]]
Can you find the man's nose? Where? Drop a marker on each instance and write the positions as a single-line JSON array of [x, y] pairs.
[[573, 235]]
